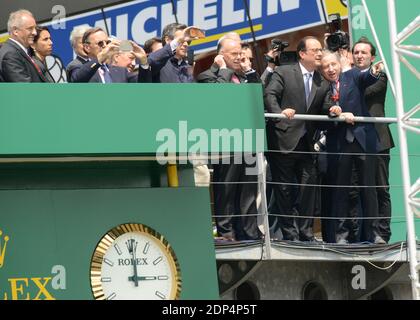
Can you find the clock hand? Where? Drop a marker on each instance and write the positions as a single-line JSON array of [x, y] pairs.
[[143, 278], [132, 250]]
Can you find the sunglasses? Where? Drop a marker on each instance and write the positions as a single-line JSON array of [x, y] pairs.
[[102, 43]]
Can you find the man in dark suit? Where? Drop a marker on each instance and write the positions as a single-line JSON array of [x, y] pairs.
[[231, 66], [364, 53], [15, 63], [299, 89], [76, 40], [100, 49], [350, 144]]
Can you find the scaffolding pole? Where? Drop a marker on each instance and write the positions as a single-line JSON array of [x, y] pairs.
[[405, 167]]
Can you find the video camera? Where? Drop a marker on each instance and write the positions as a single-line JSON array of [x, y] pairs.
[[284, 57], [338, 39]]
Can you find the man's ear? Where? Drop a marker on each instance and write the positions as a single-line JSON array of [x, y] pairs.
[[372, 59], [14, 31], [86, 49], [300, 54]]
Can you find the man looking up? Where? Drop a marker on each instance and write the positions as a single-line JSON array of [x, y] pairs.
[[100, 49]]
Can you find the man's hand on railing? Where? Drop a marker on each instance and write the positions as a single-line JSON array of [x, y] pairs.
[[349, 117], [289, 112], [335, 111]]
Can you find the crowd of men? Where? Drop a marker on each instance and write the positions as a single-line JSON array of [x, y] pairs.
[[344, 83]]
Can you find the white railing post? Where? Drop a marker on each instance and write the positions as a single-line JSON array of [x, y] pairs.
[[405, 167]]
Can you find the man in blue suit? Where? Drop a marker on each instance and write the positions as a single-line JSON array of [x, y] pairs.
[[99, 49], [350, 144]]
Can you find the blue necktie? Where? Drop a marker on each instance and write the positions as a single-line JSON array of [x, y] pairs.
[[107, 77], [307, 88]]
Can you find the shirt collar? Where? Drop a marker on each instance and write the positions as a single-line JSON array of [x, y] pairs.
[[20, 45], [303, 69]]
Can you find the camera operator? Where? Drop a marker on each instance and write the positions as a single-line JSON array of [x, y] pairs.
[[271, 56]]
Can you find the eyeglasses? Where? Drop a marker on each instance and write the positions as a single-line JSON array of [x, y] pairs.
[[101, 43], [314, 50]]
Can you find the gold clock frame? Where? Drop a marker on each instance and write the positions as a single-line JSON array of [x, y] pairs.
[[106, 242]]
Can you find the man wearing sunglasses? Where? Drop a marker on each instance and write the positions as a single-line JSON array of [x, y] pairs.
[[99, 48], [177, 68]]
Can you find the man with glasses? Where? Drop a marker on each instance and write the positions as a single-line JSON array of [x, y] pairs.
[[16, 65], [294, 89], [177, 69], [236, 190], [77, 44], [99, 48]]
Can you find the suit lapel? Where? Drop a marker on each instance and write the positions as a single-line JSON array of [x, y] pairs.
[[300, 85], [25, 56], [316, 82]]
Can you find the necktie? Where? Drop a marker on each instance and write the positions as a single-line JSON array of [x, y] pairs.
[[307, 87], [335, 91], [107, 77], [235, 79]]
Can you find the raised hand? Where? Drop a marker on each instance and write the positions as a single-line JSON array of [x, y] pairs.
[[139, 53], [377, 67]]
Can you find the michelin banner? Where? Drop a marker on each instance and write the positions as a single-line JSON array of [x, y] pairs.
[[142, 19]]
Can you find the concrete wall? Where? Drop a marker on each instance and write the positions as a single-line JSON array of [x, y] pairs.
[[286, 280]]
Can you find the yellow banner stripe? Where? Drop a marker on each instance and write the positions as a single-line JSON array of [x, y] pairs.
[[4, 38], [216, 37]]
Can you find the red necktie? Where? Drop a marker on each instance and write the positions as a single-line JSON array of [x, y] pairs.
[[37, 68]]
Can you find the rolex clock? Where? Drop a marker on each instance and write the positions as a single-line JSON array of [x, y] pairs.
[[134, 262]]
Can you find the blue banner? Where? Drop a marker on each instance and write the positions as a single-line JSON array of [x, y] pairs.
[[142, 19]]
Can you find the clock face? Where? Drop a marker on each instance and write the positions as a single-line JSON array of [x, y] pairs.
[[134, 262]]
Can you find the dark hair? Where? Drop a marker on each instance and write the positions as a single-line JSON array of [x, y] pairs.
[[365, 41], [301, 46], [39, 29], [149, 44], [170, 29], [89, 32], [245, 45]]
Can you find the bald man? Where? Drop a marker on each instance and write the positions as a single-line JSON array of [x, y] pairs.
[[232, 66]]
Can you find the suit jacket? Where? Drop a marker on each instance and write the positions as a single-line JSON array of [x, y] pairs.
[[375, 101], [353, 84], [88, 72], [44, 69], [266, 77], [286, 90], [76, 63], [17, 66], [158, 59], [176, 72], [216, 75]]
